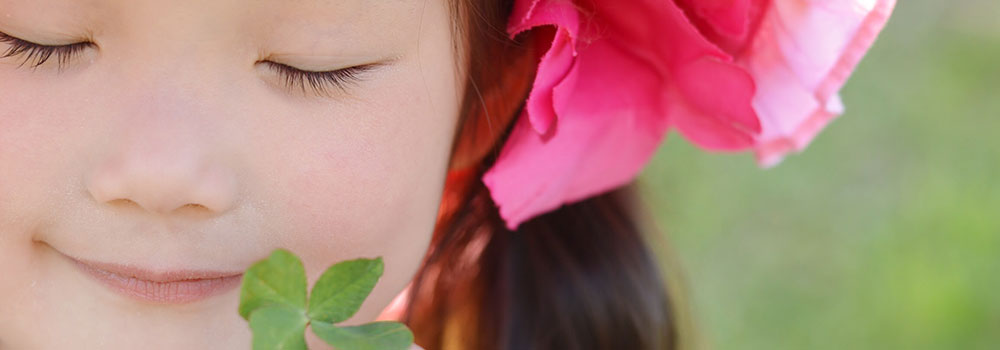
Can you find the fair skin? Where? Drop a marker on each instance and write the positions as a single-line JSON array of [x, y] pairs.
[[170, 145]]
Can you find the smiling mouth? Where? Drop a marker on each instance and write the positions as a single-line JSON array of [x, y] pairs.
[[161, 287]]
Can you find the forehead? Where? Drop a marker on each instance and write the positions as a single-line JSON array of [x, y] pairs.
[[261, 12], [306, 6], [295, 27]]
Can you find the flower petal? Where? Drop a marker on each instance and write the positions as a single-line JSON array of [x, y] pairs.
[[552, 70], [803, 53], [557, 60], [729, 18], [712, 105], [736, 74], [603, 137], [709, 95], [594, 128], [528, 14]]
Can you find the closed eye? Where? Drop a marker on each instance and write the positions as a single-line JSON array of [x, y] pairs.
[[35, 55], [320, 83]]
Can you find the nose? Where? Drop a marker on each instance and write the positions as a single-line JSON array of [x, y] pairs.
[[161, 187], [163, 167]]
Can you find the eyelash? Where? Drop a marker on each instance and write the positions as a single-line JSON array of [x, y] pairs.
[[39, 54], [319, 82], [291, 77]]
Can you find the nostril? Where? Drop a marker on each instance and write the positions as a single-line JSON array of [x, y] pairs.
[[194, 210], [123, 202], [192, 206]]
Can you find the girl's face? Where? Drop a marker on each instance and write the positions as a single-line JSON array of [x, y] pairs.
[[185, 143]]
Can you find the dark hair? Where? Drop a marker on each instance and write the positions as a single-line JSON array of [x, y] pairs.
[[579, 277]]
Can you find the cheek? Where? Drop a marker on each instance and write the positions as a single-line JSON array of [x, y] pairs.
[[364, 178], [367, 185], [39, 146]]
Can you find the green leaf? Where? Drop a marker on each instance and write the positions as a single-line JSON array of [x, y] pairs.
[[279, 280], [278, 328], [384, 335], [340, 291], [274, 299]]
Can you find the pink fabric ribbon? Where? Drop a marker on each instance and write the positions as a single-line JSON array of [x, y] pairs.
[[729, 75]]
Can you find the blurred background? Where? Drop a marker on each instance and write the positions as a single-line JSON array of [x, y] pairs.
[[884, 233]]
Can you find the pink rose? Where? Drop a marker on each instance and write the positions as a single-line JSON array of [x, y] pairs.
[[730, 75]]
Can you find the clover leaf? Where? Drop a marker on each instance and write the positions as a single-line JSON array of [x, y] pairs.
[[371, 336], [273, 299], [278, 280], [278, 328], [339, 292]]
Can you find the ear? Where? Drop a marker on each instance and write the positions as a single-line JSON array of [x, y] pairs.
[[493, 99]]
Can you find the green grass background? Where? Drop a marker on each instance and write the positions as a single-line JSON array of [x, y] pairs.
[[884, 233]]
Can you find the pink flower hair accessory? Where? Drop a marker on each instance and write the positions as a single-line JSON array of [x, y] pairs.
[[729, 75]]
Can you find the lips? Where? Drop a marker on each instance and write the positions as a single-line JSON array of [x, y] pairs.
[[162, 287]]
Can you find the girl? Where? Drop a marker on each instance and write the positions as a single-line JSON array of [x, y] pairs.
[[150, 151]]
